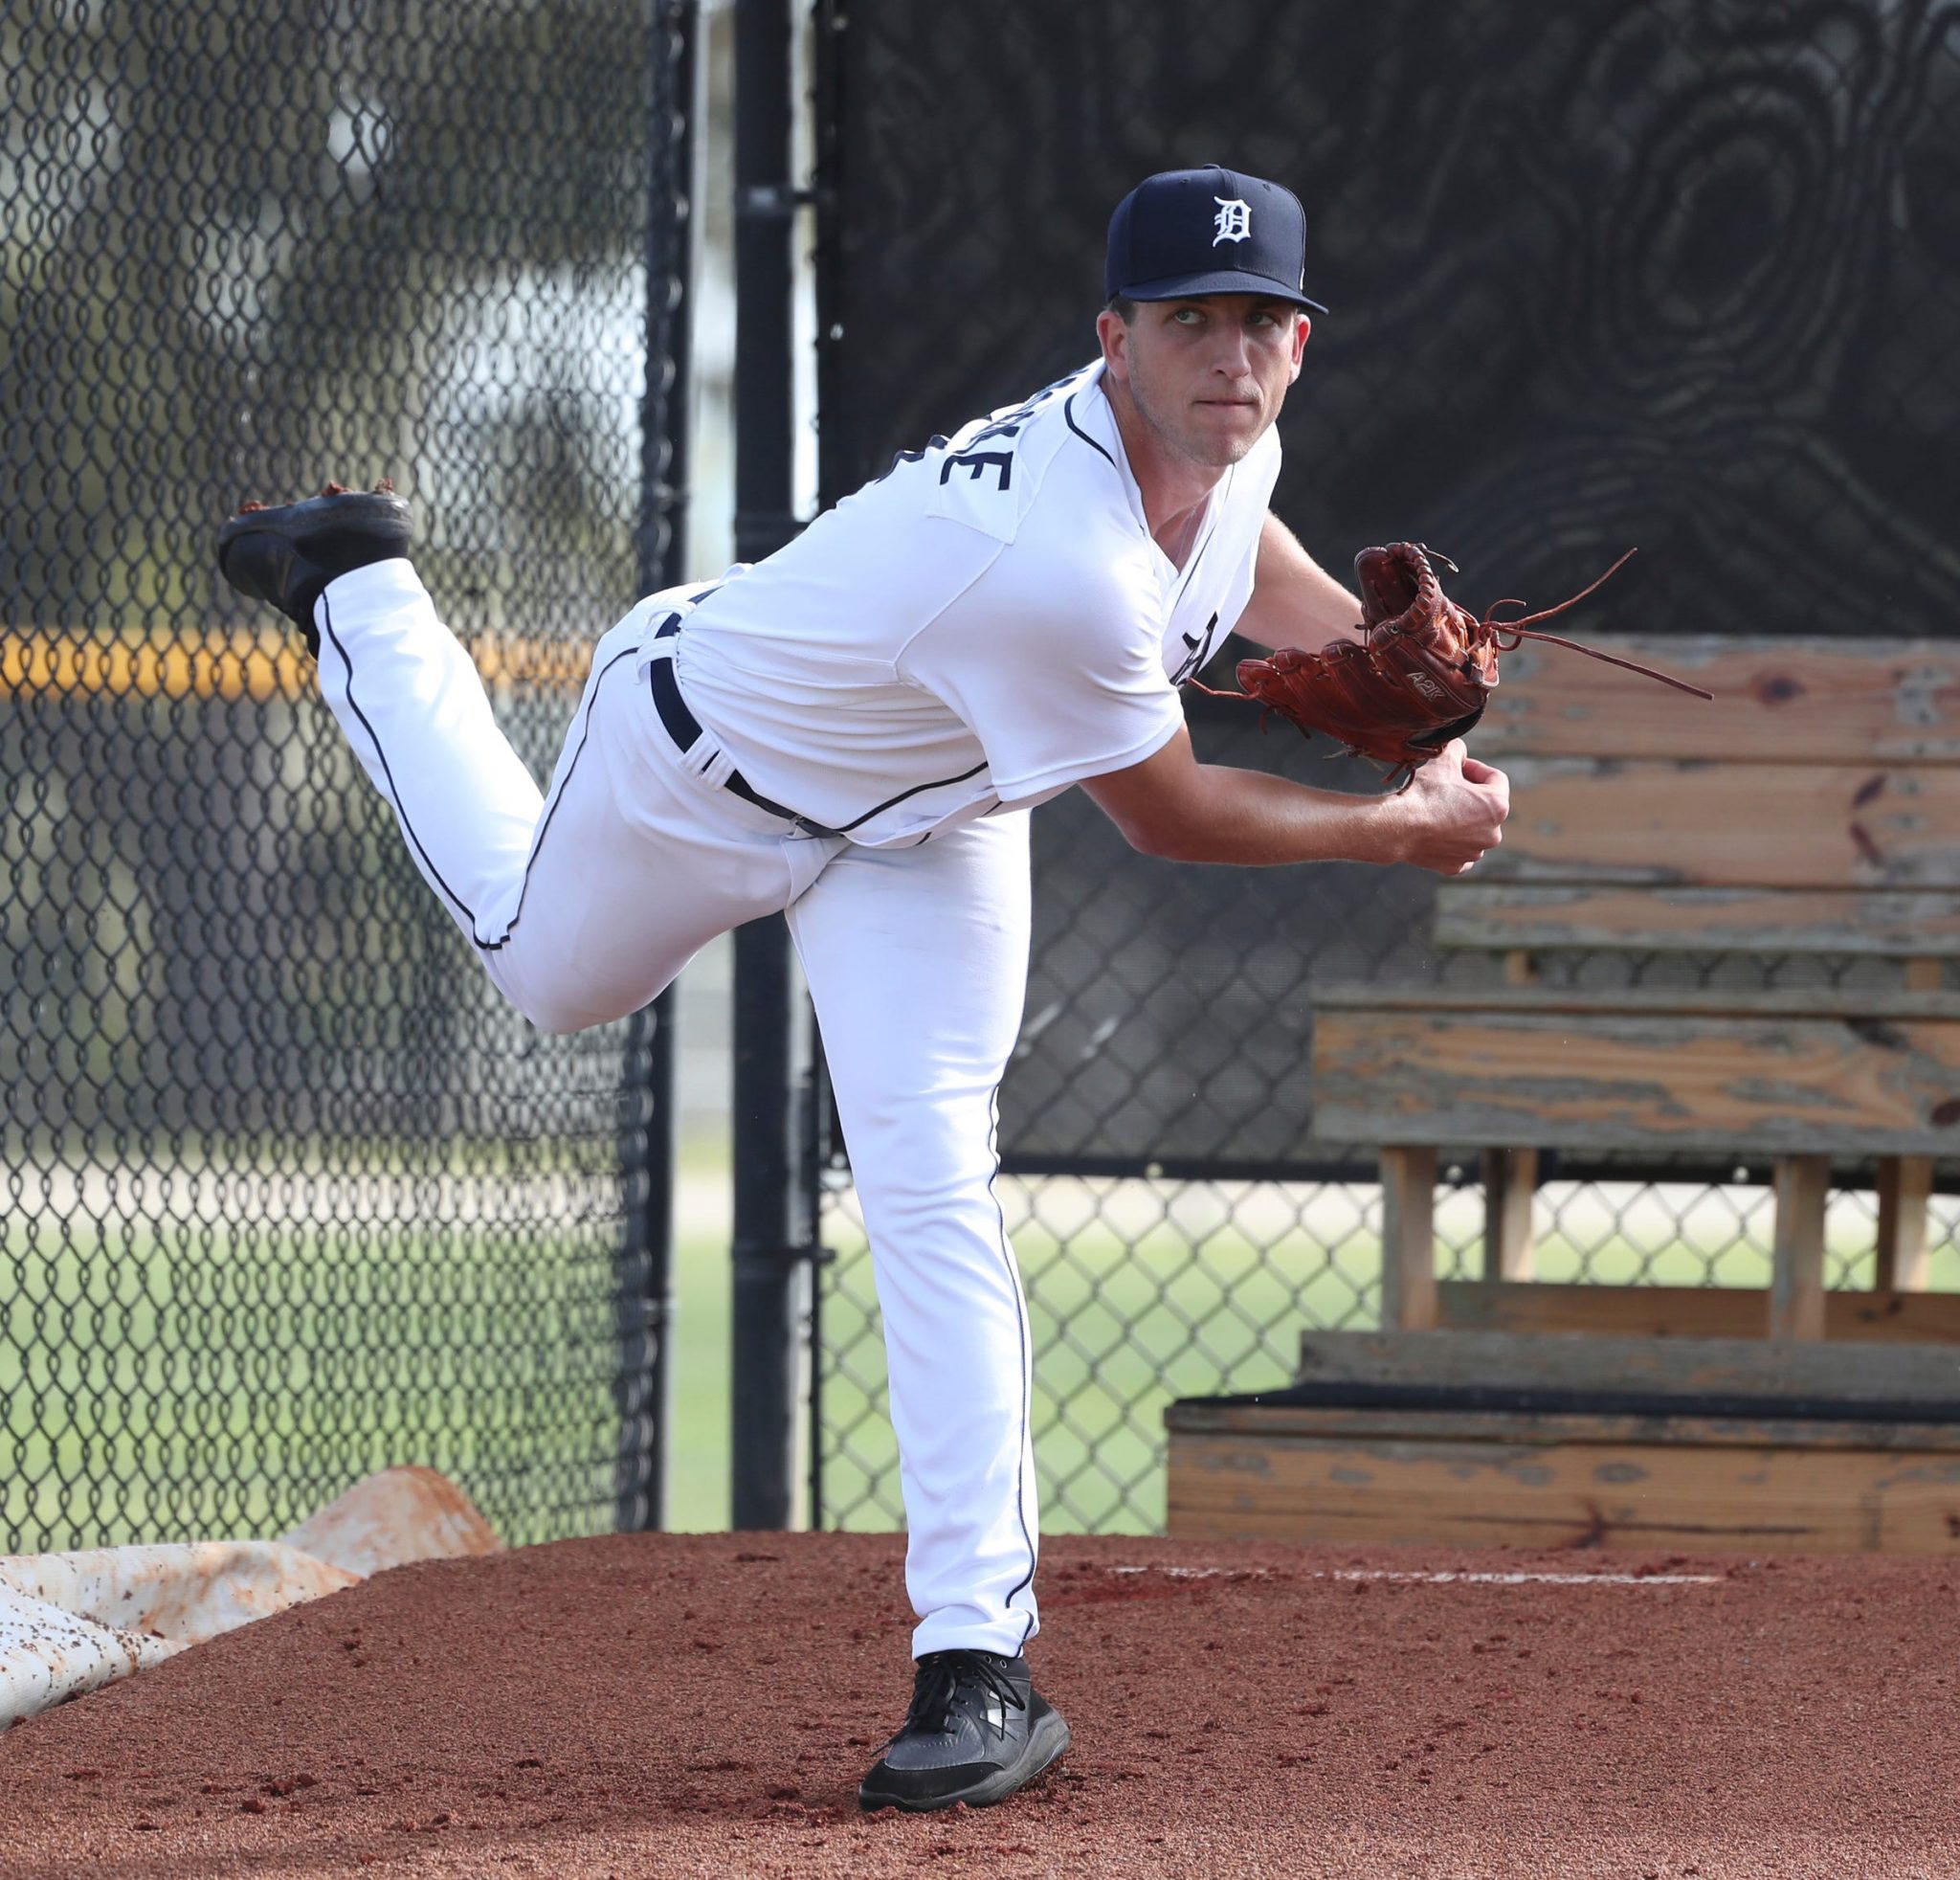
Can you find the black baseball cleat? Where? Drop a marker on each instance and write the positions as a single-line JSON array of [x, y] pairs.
[[287, 555], [977, 1729]]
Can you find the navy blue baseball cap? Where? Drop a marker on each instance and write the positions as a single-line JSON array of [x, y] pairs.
[[1210, 230]]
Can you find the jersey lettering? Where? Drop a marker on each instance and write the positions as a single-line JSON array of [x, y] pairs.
[[911, 456], [1008, 427], [973, 463], [1199, 651], [969, 456]]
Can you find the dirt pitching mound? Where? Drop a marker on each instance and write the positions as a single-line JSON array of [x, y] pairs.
[[706, 1704]]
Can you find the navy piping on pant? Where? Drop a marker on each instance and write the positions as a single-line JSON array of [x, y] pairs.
[[409, 828], [1027, 1372], [551, 808]]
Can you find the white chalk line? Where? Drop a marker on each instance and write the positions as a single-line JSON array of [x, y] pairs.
[[1441, 1579]]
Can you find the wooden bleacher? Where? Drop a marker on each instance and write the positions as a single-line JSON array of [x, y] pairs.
[[1644, 1444], [1812, 809], [1811, 814]]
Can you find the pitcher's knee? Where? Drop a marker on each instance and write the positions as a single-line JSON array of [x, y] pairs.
[[549, 1015], [558, 1019], [556, 1009]]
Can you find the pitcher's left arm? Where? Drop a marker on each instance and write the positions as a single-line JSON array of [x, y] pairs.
[[1295, 601]]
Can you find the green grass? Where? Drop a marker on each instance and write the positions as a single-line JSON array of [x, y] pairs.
[[698, 1451], [1138, 1296], [1121, 1327], [200, 1379], [213, 1378]]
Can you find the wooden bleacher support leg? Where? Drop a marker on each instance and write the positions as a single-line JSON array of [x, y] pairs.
[[1510, 1175], [1409, 1239], [1905, 1185], [1797, 1273], [1510, 1182]]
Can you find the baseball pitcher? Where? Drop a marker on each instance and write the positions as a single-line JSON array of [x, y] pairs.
[[853, 732]]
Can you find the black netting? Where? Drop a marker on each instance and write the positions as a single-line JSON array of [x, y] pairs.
[[1674, 276], [289, 1195], [1680, 276], [1168, 1015]]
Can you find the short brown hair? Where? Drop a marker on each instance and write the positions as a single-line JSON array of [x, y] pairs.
[[1123, 307]]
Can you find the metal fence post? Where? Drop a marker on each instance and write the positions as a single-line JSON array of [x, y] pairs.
[[649, 1114], [773, 1219]]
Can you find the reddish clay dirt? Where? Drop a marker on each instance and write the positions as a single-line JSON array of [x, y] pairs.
[[705, 1705]]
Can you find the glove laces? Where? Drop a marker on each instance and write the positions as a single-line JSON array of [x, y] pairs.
[[1513, 633]]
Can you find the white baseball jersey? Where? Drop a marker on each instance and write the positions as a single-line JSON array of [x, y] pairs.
[[979, 629], [986, 624]]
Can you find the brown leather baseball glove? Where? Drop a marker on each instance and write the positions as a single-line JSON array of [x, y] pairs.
[[1421, 671]]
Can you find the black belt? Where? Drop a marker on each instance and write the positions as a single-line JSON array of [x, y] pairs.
[[684, 728]]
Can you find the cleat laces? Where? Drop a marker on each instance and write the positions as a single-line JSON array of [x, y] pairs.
[[942, 1675]]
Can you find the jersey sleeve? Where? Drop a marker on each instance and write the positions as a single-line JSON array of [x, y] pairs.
[[1058, 678]]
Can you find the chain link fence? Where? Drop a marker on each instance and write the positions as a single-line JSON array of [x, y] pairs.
[[1673, 273], [289, 1195]]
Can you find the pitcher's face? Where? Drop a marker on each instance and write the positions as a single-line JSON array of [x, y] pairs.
[[1207, 376]]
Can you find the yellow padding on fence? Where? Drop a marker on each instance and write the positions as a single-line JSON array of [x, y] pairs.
[[238, 665]]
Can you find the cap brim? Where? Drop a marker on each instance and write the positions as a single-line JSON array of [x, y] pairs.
[[1218, 281]]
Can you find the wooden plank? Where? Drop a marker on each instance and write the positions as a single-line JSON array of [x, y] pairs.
[[1925, 976], [1655, 1311], [1502, 916], [1775, 700], [1796, 1259], [1859, 825], [1409, 1237], [1904, 1187], [1736, 1367], [1759, 1497], [1637, 1081], [1241, 1416], [1510, 1187], [1688, 1311], [1678, 1001]]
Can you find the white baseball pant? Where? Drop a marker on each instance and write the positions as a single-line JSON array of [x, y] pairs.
[[584, 903]]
